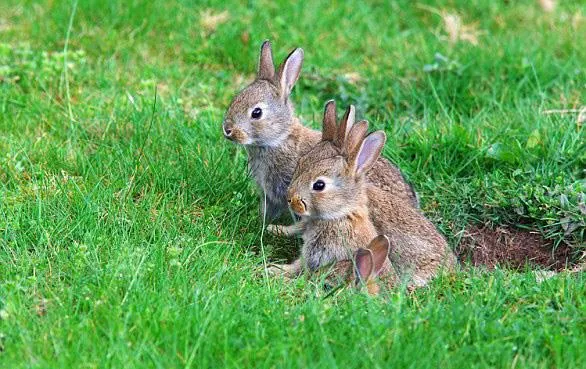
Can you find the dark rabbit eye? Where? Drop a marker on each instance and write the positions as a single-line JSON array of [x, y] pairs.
[[319, 185], [256, 113]]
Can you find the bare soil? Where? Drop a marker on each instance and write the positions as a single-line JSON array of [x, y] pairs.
[[511, 248]]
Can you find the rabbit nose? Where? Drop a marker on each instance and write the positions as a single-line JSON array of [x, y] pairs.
[[227, 130]]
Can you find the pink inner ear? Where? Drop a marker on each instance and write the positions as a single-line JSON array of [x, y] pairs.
[[362, 157], [369, 151], [379, 247], [364, 264], [292, 68]]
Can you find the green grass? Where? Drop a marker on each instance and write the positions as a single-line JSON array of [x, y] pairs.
[[129, 234]]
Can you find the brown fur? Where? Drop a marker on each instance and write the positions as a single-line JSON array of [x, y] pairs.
[[275, 142], [327, 241], [419, 251], [334, 223], [271, 167]]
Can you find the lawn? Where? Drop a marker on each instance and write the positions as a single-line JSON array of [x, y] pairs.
[[129, 230]]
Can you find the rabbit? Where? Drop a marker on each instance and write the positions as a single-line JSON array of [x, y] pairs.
[[262, 119], [329, 192], [370, 267]]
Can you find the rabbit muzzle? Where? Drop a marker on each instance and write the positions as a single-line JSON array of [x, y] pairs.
[[297, 204], [233, 133]]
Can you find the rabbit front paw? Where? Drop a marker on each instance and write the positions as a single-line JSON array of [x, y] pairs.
[[275, 229], [287, 231], [285, 270]]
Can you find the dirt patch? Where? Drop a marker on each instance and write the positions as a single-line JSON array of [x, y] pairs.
[[511, 248]]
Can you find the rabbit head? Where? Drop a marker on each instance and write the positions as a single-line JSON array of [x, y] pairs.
[[329, 181], [364, 270], [261, 114]]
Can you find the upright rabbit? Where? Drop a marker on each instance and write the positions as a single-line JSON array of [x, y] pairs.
[[261, 117], [342, 211], [329, 192]]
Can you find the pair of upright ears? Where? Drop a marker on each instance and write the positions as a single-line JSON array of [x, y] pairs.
[[362, 152], [288, 72], [369, 262]]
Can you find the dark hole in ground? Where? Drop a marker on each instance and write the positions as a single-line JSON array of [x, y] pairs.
[[511, 248]]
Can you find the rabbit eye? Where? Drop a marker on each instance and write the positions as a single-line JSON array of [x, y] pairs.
[[256, 113], [319, 185]]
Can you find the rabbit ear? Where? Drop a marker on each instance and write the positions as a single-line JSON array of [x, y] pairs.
[[266, 67], [289, 72], [363, 264], [329, 123], [345, 125], [379, 247], [355, 137], [368, 153]]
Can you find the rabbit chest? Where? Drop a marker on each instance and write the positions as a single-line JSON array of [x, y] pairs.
[[329, 241], [272, 170]]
